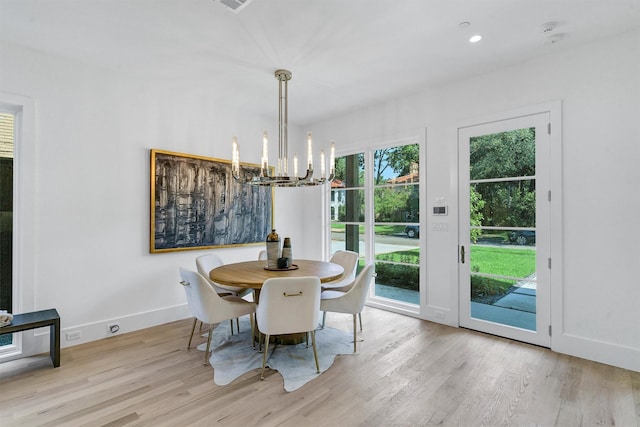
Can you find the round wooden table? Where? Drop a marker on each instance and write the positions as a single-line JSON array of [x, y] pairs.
[[252, 274]]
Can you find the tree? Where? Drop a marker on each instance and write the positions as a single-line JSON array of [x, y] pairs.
[[398, 159], [396, 204], [503, 155], [477, 204]]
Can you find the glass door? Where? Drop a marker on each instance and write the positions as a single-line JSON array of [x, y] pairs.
[[504, 228]]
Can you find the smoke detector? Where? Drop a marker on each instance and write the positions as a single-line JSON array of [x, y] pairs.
[[234, 5]]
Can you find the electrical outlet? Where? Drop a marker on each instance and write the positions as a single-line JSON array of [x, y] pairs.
[[112, 328], [74, 335]]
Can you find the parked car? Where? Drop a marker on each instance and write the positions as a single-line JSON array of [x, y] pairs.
[[523, 237], [412, 231]]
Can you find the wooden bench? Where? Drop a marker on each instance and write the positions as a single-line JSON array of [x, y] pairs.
[[39, 319]]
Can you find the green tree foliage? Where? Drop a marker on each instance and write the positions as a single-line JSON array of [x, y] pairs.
[[397, 204], [393, 204], [503, 155], [477, 204], [397, 159]]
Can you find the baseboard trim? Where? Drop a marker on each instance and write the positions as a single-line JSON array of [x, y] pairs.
[[598, 351]]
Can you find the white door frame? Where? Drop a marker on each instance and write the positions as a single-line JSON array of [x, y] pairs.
[[552, 314], [24, 255]]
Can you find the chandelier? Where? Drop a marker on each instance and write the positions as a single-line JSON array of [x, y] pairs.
[[279, 176]]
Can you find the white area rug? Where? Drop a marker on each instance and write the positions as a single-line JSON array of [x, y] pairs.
[[233, 355]]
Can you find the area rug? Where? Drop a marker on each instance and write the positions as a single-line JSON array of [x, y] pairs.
[[233, 355]]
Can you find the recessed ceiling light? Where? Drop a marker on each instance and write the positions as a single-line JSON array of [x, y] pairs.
[[476, 38]]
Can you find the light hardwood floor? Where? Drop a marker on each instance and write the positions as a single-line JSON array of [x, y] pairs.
[[408, 372]]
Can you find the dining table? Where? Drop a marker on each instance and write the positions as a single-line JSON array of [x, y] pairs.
[[252, 274]]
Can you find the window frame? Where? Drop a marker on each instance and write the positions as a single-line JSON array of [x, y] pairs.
[[369, 225]]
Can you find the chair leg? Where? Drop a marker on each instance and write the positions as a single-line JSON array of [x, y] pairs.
[[231, 320], [238, 324], [253, 330], [360, 318], [354, 333], [324, 317], [315, 351], [193, 328], [264, 355], [206, 353]]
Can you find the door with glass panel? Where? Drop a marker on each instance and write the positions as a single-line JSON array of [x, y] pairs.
[[375, 202], [504, 228], [396, 225]]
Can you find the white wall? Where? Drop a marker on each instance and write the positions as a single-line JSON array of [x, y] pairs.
[[90, 170], [91, 178], [595, 301]]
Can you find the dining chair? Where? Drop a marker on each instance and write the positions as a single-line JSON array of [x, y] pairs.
[[209, 307], [349, 262], [206, 263], [288, 305], [350, 302]]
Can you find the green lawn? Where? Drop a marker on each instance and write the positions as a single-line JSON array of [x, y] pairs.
[[500, 261], [379, 229], [503, 261]]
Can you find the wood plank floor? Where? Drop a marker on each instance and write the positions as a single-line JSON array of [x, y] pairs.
[[408, 372]]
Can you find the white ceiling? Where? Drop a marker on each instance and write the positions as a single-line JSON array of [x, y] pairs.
[[343, 53]]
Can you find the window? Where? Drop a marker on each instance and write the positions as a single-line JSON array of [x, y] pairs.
[[6, 217], [375, 198], [347, 205], [396, 207]]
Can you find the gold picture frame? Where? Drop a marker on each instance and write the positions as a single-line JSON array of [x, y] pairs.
[[197, 204]]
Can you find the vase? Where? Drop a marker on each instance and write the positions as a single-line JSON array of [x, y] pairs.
[[273, 249], [286, 250]]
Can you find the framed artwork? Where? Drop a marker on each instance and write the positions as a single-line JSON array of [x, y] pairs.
[[196, 204]]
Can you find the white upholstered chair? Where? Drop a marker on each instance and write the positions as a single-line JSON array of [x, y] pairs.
[[350, 302], [349, 262], [206, 263], [289, 305], [207, 306]]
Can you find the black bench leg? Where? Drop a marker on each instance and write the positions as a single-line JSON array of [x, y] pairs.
[[54, 343]]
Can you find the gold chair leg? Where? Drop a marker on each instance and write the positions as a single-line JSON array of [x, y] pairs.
[[264, 355], [253, 331], [206, 353], [354, 333], [324, 317], [231, 322], [193, 328], [315, 351], [360, 318], [238, 324]]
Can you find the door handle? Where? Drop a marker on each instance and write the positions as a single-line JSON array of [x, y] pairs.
[[462, 254]]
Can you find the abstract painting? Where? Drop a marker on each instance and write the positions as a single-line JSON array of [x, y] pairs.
[[197, 204]]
